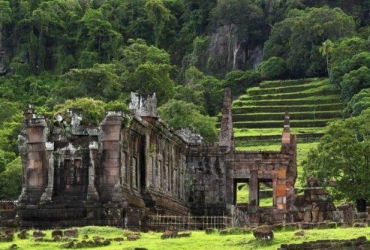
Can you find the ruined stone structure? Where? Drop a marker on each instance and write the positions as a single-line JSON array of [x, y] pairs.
[[133, 165]]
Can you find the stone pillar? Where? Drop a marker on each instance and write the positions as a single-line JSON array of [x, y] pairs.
[[110, 137], [35, 161], [92, 194], [48, 194], [148, 162], [226, 136], [253, 192]]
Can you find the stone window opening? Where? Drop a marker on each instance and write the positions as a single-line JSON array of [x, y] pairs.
[[241, 192], [265, 193]]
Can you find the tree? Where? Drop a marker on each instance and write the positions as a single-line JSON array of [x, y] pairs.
[[273, 68], [326, 49], [203, 90], [343, 156], [358, 103], [5, 12], [100, 36], [353, 82], [179, 114], [93, 111], [298, 37], [238, 81], [353, 63], [346, 49], [100, 82], [9, 131], [11, 180], [146, 69], [159, 15]]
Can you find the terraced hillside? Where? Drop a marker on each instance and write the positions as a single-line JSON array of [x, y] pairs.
[[258, 116]]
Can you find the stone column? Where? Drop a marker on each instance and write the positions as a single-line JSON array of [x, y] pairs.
[[92, 194], [110, 164], [253, 192], [48, 194], [34, 159]]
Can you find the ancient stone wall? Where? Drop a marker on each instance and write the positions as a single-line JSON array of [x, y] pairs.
[[133, 165], [105, 175]]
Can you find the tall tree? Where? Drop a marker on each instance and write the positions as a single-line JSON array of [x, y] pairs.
[[326, 49], [297, 38], [5, 12], [100, 36], [159, 15], [343, 157], [146, 69], [180, 114]]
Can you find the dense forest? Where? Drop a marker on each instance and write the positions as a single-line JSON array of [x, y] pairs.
[[91, 54]]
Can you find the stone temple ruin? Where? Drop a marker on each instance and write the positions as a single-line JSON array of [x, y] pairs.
[[134, 165]]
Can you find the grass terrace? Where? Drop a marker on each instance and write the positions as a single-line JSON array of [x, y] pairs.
[[258, 116]]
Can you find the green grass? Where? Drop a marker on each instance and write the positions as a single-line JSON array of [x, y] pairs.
[[279, 123], [312, 100], [201, 241], [282, 109], [242, 193], [241, 132]]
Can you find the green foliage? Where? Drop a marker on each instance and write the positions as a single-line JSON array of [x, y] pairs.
[[296, 39], [5, 17], [116, 106], [100, 36], [238, 81], [159, 16], [11, 180], [146, 69], [326, 49], [93, 111], [180, 114], [101, 82], [343, 156], [353, 82], [273, 68], [359, 102], [347, 48], [203, 90], [9, 131]]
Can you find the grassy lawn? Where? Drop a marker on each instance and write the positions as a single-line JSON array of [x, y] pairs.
[[198, 240]]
